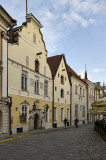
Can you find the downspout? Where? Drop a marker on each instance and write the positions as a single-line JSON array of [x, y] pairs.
[[87, 103], [53, 104], [10, 104], [10, 101], [70, 105]]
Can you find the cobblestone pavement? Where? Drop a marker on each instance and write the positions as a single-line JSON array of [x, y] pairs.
[[69, 144]]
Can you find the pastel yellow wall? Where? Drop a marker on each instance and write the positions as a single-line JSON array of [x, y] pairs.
[[59, 106], [66, 86], [16, 103]]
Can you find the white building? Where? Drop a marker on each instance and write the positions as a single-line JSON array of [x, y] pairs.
[[79, 98]]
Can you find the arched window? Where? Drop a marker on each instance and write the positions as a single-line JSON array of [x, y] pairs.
[[62, 80], [62, 93], [36, 65]]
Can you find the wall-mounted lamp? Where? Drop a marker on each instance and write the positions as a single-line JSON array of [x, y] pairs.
[[34, 106], [16, 108]]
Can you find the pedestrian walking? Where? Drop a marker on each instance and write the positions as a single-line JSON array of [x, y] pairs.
[[76, 122], [65, 122]]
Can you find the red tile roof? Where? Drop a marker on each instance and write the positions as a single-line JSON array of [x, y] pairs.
[[54, 63], [71, 72]]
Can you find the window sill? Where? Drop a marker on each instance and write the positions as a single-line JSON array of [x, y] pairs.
[[37, 93], [24, 90], [24, 122]]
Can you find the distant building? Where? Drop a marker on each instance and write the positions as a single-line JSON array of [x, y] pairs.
[[6, 22], [90, 98], [79, 98]]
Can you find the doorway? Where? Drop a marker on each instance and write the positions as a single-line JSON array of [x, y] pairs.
[[1, 121], [36, 117]]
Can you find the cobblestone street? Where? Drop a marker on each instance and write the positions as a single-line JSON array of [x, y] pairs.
[[67, 144]]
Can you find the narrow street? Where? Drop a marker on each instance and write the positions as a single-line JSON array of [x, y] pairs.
[[68, 144]]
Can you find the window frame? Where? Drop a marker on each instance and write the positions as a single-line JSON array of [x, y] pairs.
[[62, 114], [46, 88], [36, 85], [24, 80], [76, 110]]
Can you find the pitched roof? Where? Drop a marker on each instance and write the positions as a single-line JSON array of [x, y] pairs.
[[72, 72], [54, 63]]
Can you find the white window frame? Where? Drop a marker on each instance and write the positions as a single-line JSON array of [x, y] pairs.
[[45, 88], [68, 114], [62, 114], [36, 85], [76, 110], [46, 114], [25, 105], [75, 89], [24, 80], [83, 111], [55, 114]]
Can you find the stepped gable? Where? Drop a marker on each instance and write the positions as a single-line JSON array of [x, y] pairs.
[[54, 63]]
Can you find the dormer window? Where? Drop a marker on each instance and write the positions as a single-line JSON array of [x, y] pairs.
[[37, 66], [62, 80]]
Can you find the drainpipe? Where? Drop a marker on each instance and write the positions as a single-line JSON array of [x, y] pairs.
[[53, 104], [70, 105], [10, 104]]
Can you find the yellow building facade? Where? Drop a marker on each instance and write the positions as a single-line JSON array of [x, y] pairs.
[[29, 78], [61, 90]]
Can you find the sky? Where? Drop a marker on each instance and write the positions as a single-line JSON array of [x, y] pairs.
[[76, 28]]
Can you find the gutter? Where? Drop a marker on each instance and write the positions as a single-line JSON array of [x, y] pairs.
[[53, 104]]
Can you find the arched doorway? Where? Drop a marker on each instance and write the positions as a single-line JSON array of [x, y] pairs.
[[36, 117], [1, 121]]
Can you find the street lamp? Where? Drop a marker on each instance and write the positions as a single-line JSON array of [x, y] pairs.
[[34, 106]]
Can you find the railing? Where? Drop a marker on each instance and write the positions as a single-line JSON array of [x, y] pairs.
[[100, 127]]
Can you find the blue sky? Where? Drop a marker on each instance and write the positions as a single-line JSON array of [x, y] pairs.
[[76, 28]]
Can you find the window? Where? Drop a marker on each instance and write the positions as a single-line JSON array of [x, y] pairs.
[[46, 113], [37, 66], [75, 89], [55, 88], [44, 71], [24, 80], [55, 113], [24, 116], [83, 92], [68, 114], [65, 78], [62, 80], [34, 37], [67, 92], [27, 61], [76, 110], [83, 111], [37, 85], [80, 90], [58, 74], [62, 114], [62, 93], [45, 88]]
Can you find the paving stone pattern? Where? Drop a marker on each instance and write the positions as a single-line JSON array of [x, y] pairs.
[[67, 144]]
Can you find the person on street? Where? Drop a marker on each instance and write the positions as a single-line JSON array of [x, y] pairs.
[[65, 122], [76, 122]]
